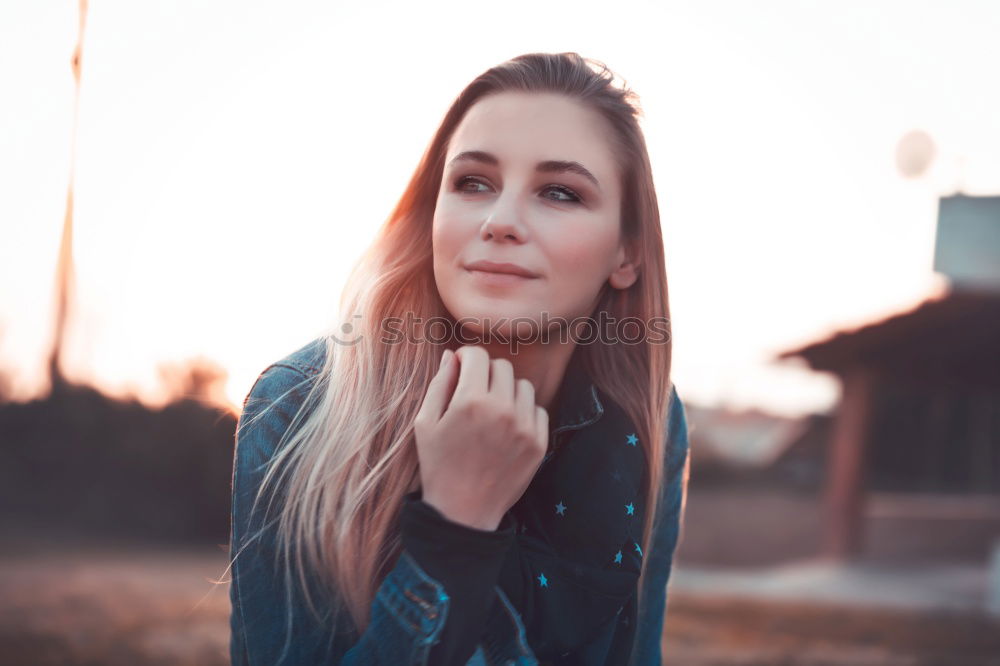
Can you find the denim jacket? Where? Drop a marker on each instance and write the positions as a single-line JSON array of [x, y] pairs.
[[270, 623]]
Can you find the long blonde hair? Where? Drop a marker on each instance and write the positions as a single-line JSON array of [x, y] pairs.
[[348, 458]]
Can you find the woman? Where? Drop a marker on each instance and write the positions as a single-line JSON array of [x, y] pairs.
[[487, 462]]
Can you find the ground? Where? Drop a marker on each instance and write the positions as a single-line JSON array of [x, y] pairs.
[[167, 607]]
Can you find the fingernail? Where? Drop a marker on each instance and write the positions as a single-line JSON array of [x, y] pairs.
[[444, 358]]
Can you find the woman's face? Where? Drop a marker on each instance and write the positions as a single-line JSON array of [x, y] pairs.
[[529, 180]]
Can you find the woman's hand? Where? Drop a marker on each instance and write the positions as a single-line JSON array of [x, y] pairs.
[[479, 450]]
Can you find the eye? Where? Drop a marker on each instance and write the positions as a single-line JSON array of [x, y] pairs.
[[568, 195], [460, 184], [575, 198]]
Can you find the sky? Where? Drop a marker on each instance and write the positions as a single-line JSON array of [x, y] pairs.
[[233, 159]]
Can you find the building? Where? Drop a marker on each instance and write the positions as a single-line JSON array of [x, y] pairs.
[[919, 414]]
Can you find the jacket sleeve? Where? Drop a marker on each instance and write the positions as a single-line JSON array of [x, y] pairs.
[[270, 621], [666, 532]]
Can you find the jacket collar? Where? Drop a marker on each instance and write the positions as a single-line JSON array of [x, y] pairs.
[[578, 404]]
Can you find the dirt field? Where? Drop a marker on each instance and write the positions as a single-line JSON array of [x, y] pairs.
[[162, 608], [699, 632]]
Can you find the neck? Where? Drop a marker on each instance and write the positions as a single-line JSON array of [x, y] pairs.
[[544, 365]]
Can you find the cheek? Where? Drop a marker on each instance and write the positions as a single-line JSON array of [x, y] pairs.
[[448, 238], [449, 232], [443, 241], [580, 265], [582, 258]]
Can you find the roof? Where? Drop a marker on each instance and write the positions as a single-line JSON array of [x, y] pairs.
[[955, 337]]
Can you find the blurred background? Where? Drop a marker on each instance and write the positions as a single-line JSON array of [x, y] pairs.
[[184, 186]]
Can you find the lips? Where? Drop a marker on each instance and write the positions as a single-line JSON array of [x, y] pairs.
[[503, 268]]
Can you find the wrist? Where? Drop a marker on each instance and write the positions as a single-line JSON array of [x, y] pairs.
[[469, 519]]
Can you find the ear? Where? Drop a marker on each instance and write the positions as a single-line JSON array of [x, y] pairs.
[[626, 270]]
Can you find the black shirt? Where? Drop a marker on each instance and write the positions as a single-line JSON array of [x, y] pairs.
[[567, 554]]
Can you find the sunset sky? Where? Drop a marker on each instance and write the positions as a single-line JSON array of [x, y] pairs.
[[234, 158]]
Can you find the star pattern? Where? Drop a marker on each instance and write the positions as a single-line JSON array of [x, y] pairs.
[[618, 558]]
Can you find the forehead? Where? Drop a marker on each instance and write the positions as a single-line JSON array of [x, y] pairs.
[[523, 128]]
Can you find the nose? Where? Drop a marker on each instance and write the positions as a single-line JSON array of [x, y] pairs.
[[503, 227]]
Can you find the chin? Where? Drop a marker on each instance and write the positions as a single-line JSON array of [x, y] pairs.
[[479, 309]]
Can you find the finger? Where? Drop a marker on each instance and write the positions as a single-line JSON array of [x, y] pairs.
[[525, 402], [542, 427], [439, 389], [502, 380], [474, 371]]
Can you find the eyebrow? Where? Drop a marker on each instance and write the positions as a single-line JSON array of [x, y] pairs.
[[547, 166]]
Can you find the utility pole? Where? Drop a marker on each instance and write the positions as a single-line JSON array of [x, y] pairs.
[[64, 284]]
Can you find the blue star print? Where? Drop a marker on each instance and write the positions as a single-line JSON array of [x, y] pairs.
[[638, 550], [561, 509], [543, 580], [632, 439], [618, 557], [630, 508]]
